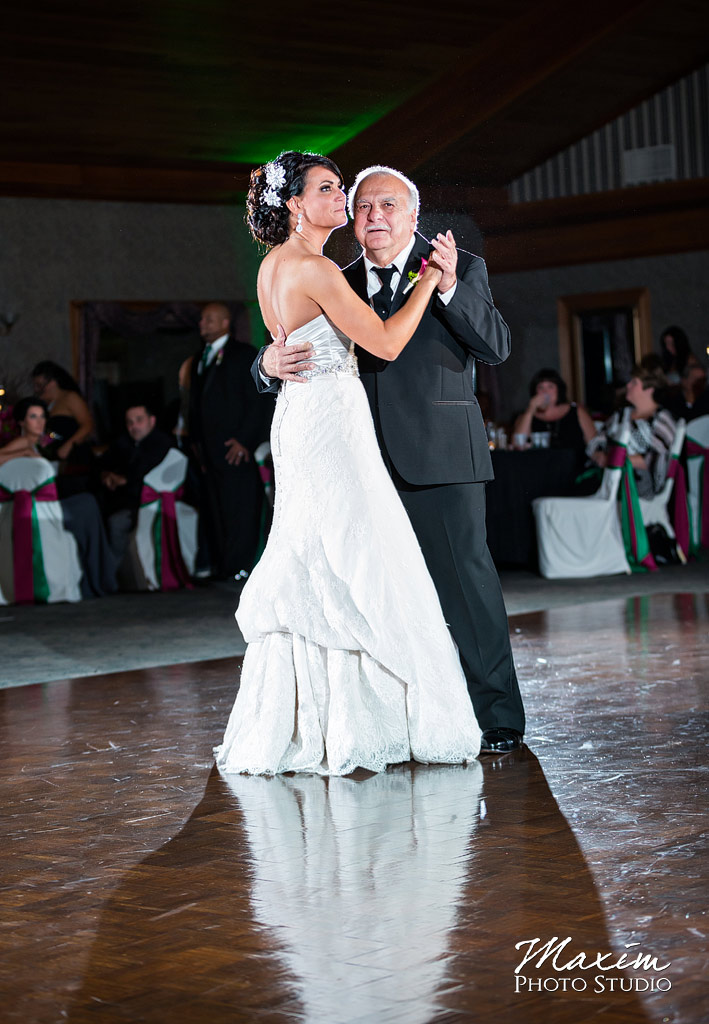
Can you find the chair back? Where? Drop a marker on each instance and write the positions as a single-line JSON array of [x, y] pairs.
[[698, 431], [698, 480], [26, 474], [675, 451], [38, 557], [169, 474], [164, 542], [678, 442], [608, 491]]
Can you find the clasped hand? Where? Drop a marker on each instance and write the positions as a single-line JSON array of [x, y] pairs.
[[235, 452], [445, 258], [287, 361]]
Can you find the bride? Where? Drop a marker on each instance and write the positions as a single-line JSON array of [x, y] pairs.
[[349, 661]]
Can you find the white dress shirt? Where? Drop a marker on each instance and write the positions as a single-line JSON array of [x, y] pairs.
[[374, 283], [214, 350]]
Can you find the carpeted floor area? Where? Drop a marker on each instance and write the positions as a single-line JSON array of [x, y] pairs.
[[41, 643]]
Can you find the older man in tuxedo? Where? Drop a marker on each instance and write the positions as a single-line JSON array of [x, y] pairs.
[[430, 429]]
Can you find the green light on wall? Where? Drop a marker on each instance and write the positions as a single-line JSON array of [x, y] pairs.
[[323, 139]]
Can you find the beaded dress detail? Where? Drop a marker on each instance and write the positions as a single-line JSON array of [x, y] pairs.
[[349, 661]]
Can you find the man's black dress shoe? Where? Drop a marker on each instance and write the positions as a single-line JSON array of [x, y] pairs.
[[500, 741]]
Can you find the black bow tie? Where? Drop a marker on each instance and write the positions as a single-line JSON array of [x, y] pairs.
[[381, 302]]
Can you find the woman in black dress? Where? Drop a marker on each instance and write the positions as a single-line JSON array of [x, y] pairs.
[[69, 425], [549, 411]]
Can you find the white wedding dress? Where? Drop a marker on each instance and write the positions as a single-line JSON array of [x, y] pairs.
[[349, 661]]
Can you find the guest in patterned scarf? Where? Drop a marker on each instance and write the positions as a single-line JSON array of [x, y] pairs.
[[652, 431]]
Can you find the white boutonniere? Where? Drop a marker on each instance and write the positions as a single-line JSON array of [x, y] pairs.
[[219, 356], [414, 275]]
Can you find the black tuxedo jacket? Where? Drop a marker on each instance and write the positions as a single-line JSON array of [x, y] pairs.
[[224, 403], [423, 402]]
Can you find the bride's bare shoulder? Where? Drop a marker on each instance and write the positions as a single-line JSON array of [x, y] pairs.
[[315, 263], [270, 260]]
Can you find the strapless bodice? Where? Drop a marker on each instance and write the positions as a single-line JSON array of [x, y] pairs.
[[330, 347]]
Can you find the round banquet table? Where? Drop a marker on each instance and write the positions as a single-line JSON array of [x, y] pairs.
[[520, 477]]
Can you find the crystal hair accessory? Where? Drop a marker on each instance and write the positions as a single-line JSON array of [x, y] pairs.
[[275, 180]]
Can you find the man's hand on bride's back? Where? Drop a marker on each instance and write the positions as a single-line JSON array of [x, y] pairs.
[[286, 361]]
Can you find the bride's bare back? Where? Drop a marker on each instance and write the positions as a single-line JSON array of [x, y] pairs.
[[282, 292]]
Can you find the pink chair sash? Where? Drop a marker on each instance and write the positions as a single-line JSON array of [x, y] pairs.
[[27, 559], [616, 456], [680, 513], [169, 564], [693, 448]]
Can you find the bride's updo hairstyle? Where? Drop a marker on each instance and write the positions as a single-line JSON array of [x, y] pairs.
[[272, 185]]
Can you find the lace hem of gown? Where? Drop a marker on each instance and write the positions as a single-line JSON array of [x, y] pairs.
[[288, 716]]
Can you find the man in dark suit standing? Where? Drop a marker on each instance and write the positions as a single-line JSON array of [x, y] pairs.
[[227, 423], [430, 429]]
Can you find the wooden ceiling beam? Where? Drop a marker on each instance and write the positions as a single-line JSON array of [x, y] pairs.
[[495, 214], [205, 184], [529, 50], [651, 220]]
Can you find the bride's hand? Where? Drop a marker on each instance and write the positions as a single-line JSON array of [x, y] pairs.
[[432, 273], [286, 361]]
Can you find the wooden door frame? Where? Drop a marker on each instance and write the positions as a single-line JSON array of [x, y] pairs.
[[76, 308], [569, 308]]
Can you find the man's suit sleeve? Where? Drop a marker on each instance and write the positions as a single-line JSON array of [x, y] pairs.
[[471, 315], [251, 417], [261, 386]]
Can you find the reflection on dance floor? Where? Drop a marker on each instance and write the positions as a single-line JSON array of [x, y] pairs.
[[394, 897], [361, 882], [140, 885]]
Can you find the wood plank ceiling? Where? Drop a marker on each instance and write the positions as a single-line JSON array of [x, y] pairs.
[[176, 100]]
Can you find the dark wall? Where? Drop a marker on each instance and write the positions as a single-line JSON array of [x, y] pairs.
[[54, 251], [527, 300]]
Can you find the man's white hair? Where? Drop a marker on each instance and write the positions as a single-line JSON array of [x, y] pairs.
[[381, 169]]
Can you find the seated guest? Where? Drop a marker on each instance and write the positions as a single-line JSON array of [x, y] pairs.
[[692, 399], [569, 425], [123, 467], [69, 425], [652, 432], [80, 511], [28, 414]]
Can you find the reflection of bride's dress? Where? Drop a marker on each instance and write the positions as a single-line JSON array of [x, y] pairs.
[[349, 661], [360, 884]]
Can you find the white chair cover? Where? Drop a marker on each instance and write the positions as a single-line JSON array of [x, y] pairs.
[[697, 431], [582, 537], [167, 477], [57, 560], [657, 508]]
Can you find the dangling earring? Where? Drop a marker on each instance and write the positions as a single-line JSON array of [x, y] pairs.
[[299, 225]]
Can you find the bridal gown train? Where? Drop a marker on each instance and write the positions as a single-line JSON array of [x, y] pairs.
[[349, 661]]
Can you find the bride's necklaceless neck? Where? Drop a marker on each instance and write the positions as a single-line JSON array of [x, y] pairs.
[[308, 245]]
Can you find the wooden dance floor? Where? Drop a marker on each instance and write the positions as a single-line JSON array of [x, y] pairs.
[[139, 885]]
